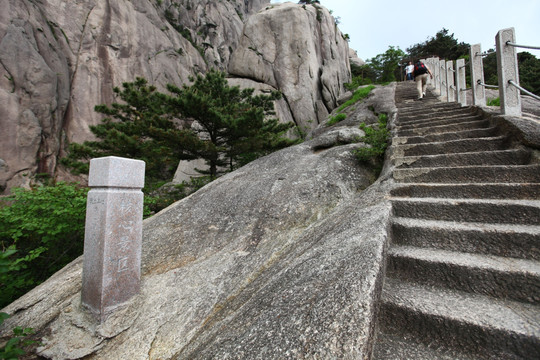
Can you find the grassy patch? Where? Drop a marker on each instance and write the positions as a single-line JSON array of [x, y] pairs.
[[335, 119], [493, 102], [377, 139], [358, 95]]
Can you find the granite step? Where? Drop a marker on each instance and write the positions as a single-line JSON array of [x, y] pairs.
[[455, 323], [497, 157], [436, 121], [452, 146], [428, 114], [445, 127], [470, 174], [416, 108], [446, 136], [392, 345], [495, 276], [523, 191], [491, 211], [503, 240]]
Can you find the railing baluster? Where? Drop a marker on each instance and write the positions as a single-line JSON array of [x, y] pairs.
[[450, 81], [477, 76], [507, 69], [460, 82]]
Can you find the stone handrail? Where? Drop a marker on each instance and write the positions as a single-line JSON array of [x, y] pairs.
[[449, 81]]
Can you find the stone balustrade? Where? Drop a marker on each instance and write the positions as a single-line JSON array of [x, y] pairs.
[[449, 79]]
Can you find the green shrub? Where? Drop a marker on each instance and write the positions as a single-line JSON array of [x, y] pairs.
[[335, 119], [158, 198], [493, 102], [377, 137], [357, 96], [356, 82], [41, 230], [13, 347]]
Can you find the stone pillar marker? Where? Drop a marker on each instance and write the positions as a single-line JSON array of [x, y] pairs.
[[113, 234]]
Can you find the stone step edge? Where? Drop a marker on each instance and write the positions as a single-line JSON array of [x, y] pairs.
[[466, 226], [460, 201], [403, 140], [464, 308], [435, 105], [435, 129], [435, 116], [452, 142], [475, 262], [410, 159], [427, 122], [426, 114], [459, 187]]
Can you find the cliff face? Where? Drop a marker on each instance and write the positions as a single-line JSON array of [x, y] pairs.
[[59, 59], [300, 51]]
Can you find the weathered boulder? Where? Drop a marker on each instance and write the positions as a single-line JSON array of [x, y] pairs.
[[354, 59], [280, 259], [299, 50]]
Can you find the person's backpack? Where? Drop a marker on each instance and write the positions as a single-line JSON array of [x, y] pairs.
[[419, 68]]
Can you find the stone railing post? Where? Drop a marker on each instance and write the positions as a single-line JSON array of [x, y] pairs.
[[450, 88], [442, 69], [507, 68], [461, 82], [436, 75], [477, 76], [113, 234]]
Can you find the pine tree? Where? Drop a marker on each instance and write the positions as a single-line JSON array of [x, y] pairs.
[[223, 125], [231, 122]]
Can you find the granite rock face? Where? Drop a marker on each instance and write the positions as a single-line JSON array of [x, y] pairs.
[[280, 259], [300, 51], [59, 59]]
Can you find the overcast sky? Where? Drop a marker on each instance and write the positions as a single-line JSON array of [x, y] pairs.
[[373, 25]]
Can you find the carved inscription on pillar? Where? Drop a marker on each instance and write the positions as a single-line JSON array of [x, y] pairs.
[[113, 234]]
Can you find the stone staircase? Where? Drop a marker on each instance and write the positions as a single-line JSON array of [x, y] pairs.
[[463, 267]]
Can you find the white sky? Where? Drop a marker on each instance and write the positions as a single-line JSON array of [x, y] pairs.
[[373, 25]]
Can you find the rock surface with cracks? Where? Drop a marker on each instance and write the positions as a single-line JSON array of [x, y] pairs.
[[280, 259]]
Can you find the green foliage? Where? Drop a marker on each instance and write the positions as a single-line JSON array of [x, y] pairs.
[[377, 139], [309, 2], [335, 119], [529, 72], [358, 95], [493, 102], [361, 75], [13, 347], [161, 196], [442, 45], [233, 123], [490, 68], [385, 67], [41, 230], [140, 127], [223, 125]]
